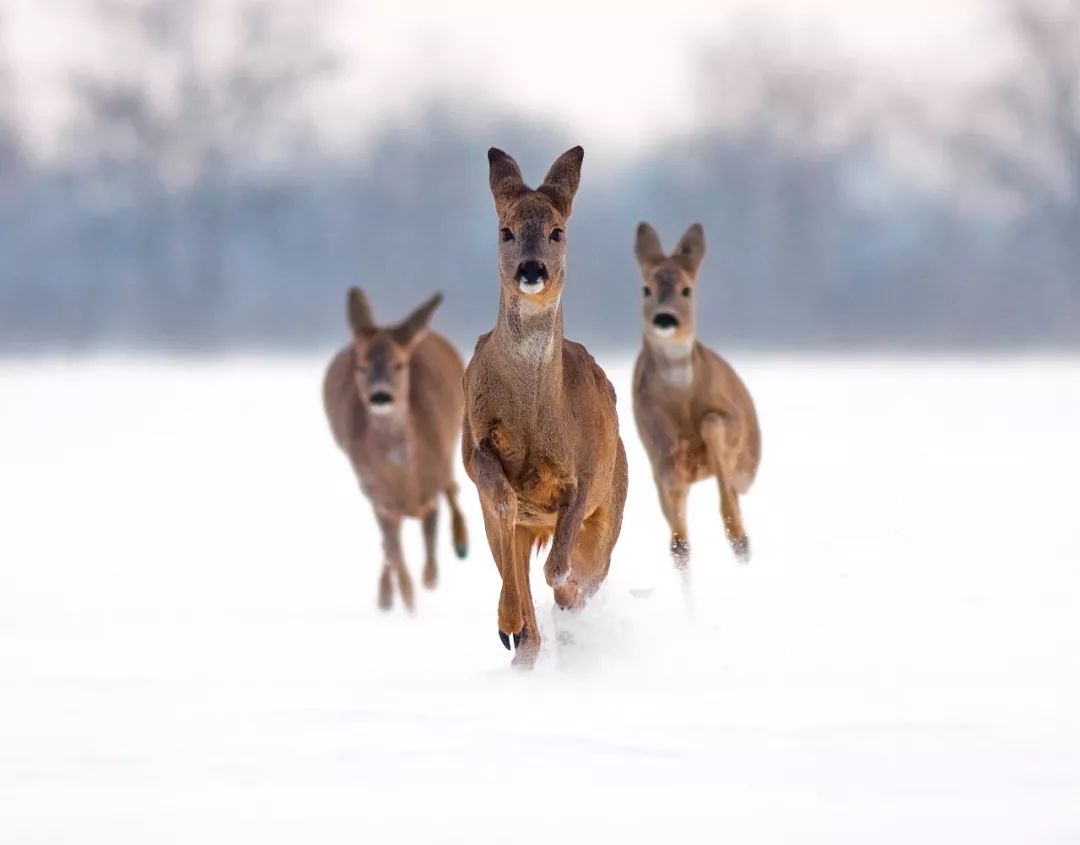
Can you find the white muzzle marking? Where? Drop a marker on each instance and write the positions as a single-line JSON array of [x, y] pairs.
[[531, 287], [664, 331]]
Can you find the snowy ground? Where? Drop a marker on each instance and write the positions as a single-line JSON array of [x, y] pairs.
[[190, 650]]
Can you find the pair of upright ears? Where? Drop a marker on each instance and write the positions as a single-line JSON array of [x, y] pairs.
[[688, 253], [559, 186], [407, 333]]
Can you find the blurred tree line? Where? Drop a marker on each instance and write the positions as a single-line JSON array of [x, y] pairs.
[[193, 209]]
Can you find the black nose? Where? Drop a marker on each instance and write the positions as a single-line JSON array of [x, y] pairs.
[[665, 321], [381, 397], [531, 272]]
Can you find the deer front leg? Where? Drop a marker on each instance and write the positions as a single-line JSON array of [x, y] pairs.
[[393, 562], [499, 506], [673, 490], [567, 524], [431, 528], [527, 645], [715, 432]]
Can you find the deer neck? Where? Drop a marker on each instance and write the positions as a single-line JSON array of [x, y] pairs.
[[673, 362], [529, 342], [391, 437]]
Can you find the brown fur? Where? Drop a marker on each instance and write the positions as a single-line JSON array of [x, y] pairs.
[[404, 456], [541, 436], [695, 416]]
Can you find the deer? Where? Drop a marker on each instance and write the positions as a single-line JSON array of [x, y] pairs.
[[693, 413], [394, 403], [540, 438]]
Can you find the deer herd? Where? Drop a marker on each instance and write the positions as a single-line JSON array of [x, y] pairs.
[[539, 429]]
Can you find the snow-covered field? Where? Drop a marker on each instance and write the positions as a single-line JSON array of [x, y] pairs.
[[190, 650]]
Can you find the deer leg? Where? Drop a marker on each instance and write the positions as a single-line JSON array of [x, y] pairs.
[[386, 588], [673, 491], [567, 524], [499, 507], [457, 522], [394, 563], [527, 647], [591, 557], [589, 563], [386, 577], [715, 431], [431, 527]]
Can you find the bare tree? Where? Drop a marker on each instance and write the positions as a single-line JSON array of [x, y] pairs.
[[1024, 137], [791, 116], [177, 116], [11, 151]]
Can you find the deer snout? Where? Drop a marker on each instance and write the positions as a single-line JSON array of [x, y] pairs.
[[531, 276], [665, 323], [381, 401]]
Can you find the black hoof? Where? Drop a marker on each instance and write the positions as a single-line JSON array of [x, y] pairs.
[[461, 551], [505, 639], [741, 547], [517, 640]]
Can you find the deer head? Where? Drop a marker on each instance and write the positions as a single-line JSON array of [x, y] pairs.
[[667, 306], [532, 225], [382, 354]]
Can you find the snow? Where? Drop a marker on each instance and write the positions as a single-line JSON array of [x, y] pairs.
[[190, 649]]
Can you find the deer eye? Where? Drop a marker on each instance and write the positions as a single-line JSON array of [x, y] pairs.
[[686, 291], [506, 235], [646, 292], [556, 235]]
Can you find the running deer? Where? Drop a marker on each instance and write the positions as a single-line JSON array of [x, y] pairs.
[[394, 402], [693, 413], [541, 434]]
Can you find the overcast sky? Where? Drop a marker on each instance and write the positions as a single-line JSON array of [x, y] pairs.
[[614, 76]]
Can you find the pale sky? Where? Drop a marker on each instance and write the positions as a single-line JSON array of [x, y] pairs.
[[615, 74]]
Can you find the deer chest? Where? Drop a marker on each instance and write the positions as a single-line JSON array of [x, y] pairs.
[[535, 469]]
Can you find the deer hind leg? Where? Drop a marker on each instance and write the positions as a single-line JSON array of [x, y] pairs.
[[431, 530], [723, 451], [394, 564], [457, 522]]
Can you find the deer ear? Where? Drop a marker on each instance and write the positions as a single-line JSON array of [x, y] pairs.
[[359, 311], [690, 249], [412, 329], [561, 182], [505, 178], [647, 248]]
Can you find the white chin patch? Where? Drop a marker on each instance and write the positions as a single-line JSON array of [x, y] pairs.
[[382, 410], [664, 331], [531, 287]]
